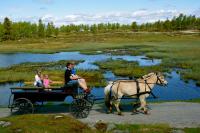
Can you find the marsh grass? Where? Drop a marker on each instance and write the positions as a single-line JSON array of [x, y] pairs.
[[128, 68], [87, 42], [25, 72]]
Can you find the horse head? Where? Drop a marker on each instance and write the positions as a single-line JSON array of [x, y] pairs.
[[161, 79]]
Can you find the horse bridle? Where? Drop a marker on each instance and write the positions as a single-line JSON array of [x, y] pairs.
[[158, 79]]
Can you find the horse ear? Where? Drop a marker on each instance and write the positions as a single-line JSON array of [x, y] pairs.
[[157, 73]]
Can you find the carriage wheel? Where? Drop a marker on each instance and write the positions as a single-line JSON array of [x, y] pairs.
[[80, 108], [90, 98], [22, 106], [10, 101]]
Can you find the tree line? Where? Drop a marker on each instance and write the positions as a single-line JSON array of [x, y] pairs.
[[16, 30]]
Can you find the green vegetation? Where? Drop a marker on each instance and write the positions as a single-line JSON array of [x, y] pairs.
[[17, 30], [26, 71], [44, 124], [38, 123], [192, 130], [126, 68], [157, 128], [175, 49], [181, 51]]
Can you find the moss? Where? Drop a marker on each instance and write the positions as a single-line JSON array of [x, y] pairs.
[[45, 123]]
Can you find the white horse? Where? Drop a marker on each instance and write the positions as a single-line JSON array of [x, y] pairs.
[[140, 88]]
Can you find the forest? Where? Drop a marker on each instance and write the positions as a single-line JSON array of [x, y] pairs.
[[17, 30]]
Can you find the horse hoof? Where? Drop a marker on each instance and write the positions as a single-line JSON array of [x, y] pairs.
[[135, 112], [146, 113], [120, 114], [109, 112]]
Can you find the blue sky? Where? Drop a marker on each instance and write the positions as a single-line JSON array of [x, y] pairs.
[[96, 11]]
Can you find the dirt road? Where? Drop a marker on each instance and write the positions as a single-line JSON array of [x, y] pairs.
[[176, 114]]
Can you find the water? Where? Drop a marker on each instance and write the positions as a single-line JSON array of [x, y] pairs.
[[176, 89], [7, 60]]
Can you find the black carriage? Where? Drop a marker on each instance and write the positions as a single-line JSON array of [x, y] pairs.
[[23, 100]]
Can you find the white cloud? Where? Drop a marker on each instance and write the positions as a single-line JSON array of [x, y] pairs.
[[197, 12], [140, 16]]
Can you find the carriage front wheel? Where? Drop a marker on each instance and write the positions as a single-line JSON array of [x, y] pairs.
[[80, 108], [22, 106]]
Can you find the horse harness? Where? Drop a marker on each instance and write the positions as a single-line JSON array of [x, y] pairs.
[[138, 87]]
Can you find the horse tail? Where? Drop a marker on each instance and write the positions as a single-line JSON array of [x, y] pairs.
[[107, 92]]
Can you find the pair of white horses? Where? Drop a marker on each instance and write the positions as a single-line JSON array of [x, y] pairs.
[[140, 88]]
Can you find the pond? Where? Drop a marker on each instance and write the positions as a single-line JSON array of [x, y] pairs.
[[176, 89], [7, 60]]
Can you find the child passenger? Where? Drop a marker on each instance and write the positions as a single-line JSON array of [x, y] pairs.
[[47, 82]]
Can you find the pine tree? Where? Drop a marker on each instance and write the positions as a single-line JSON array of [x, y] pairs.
[[56, 31], [41, 29], [1, 31], [49, 30], [7, 29], [134, 26]]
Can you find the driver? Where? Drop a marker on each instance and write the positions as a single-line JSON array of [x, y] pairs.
[[72, 78]]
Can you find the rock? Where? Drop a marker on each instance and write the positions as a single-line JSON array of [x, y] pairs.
[[92, 125], [120, 131], [1, 123], [177, 131], [101, 126], [5, 124], [110, 127], [18, 130], [58, 116]]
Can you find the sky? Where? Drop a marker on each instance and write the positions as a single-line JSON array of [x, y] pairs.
[[63, 12]]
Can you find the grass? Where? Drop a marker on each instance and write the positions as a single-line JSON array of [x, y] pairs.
[[44, 124], [141, 128], [192, 130], [25, 72], [90, 43], [153, 128], [39, 123], [128, 68]]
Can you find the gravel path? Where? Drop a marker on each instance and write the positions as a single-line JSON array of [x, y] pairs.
[[176, 114]]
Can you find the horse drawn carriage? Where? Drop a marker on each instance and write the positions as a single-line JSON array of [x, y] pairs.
[[24, 100]]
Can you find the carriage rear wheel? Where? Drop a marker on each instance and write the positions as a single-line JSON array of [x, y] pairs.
[[90, 98], [80, 108], [22, 106]]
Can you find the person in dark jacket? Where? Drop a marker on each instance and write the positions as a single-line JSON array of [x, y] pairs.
[[71, 78]]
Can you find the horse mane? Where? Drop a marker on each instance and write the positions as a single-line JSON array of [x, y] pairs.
[[147, 76]]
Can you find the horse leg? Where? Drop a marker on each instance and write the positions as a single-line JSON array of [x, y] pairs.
[[110, 107], [116, 103], [136, 104], [143, 104]]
